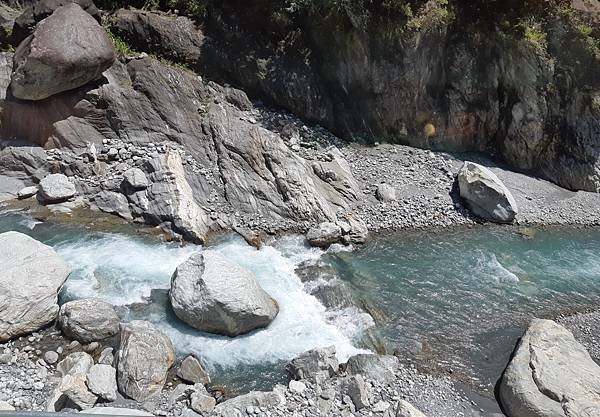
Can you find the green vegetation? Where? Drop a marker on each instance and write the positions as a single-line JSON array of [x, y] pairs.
[[586, 34], [123, 49], [534, 34]]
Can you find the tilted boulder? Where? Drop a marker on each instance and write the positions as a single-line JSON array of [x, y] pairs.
[[67, 50], [213, 294], [88, 320], [324, 235], [32, 274], [40, 9], [314, 365], [192, 371], [485, 195], [550, 375], [143, 361]]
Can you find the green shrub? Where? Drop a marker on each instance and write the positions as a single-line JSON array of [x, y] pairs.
[[121, 47]]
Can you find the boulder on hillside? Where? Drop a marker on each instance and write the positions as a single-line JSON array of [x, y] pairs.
[[25, 23], [67, 50], [550, 375], [144, 359], [32, 275], [485, 195], [88, 320], [213, 294], [55, 188]]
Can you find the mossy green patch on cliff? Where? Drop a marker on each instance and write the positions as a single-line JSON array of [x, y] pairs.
[[121, 47]]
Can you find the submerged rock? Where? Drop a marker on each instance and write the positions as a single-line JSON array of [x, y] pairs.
[[32, 274], [88, 320], [213, 294], [55, 188], [67, 50], [485, 195], [550, 375]]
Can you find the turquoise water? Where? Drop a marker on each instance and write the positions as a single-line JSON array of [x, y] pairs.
[[459, 299], [450, 300]]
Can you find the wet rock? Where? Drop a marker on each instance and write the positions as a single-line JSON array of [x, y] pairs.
[[212, 294], [32, 275], [144, 358], [192, 371], [315, 365], [102, 381], [88, 320], [549, 364], [55, 188], [405, 409], [113, 203], [67, 50], [324, 235], [485, 195]]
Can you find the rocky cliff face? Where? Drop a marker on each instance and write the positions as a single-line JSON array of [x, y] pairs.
[[470, 83]]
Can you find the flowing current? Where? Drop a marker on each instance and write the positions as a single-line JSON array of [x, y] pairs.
[[456, 300]]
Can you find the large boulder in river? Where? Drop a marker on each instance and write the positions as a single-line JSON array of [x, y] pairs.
[[550, 375], [55, 188], [213, 294], [32, 274], [67, 50], [144, 359], [88, 320], [485, 195]]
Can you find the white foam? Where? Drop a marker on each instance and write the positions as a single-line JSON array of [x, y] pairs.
[[123, 270], [119, 269], [302, 323]]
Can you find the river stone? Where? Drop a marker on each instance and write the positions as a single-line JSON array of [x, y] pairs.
[[144, 359], [32, 274], [406, 409], [113, 411], [213, 294], [192, 371], [324, 235], [102, 381], [67, 50], [550, 375], [77, 363], [88, 320], [201, 401], [485, 195], [236, 407], [385, 193], [51, 357], [55, 188], [315, 365]]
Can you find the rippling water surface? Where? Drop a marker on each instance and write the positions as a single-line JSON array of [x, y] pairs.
[[452, 299]]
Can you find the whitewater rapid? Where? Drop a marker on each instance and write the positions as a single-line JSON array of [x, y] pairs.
[[123, 270]]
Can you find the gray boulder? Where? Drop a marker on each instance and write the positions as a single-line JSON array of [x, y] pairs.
[[324, 235], [236, 407], [550, 375], [485, 195], [376, 367], [72, 391], [67, 50], [55, 188], [144, 359], [88, 320], [134, 179], [212, 294], [32, 274], [201, 401], [77, 363], [406, 409], [315, 365], [192, 371], [385, 193], [27, 192], [113, 203], [102, 381]]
